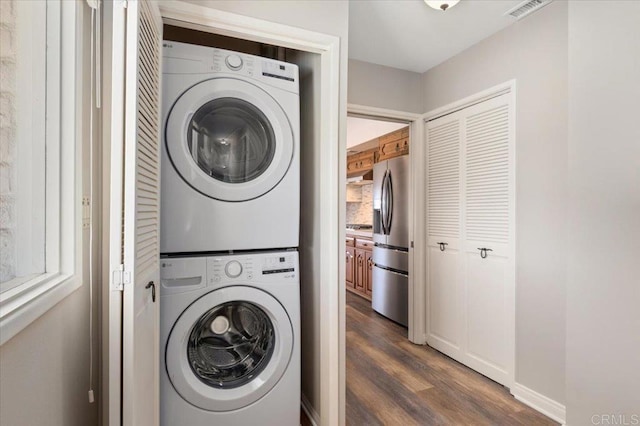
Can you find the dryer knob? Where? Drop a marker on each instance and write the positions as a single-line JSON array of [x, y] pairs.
[[233, 269], [234, 62]]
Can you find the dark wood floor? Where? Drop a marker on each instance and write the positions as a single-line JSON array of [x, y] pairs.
[[391, 381]]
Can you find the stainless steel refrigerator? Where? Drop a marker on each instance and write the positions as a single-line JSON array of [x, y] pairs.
[[391, 239]]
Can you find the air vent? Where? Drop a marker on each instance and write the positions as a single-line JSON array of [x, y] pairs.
[[526, 8]]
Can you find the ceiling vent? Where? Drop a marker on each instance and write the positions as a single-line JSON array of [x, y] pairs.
[[526, 8]]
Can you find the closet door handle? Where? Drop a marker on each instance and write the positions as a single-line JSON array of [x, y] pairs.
[[483, 252], [442, 245], [151, 285]]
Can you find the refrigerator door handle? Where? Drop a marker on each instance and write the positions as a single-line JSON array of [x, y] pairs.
[[383, 204], [389, 202]]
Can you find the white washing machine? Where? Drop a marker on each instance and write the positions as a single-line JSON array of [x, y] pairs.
[[230, 151], [230, 330]]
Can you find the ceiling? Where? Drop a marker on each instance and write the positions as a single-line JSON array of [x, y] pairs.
[[361, 130], [409, 35]]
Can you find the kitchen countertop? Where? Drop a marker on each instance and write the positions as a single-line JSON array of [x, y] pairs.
[[360, 233]]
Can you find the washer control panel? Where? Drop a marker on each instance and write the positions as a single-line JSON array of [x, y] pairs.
[[234, 62], [281, 263], [233, 269], [230, 268], [254, 267]]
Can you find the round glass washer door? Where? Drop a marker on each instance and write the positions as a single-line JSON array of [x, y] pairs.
[[229, 139], [229, 348]]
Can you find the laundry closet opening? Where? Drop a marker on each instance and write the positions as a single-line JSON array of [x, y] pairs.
[[257, 124]]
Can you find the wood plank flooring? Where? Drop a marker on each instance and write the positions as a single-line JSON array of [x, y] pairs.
[[391, 381]]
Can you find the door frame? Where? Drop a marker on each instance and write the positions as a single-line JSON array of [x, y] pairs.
[[417, 270], [329, 264]]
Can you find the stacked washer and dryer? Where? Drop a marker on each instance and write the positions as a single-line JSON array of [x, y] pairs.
[[230, 299]]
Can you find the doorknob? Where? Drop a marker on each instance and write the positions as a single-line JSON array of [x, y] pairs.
[[152, 285]]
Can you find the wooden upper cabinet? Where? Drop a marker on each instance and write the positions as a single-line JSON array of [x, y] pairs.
[[361, 161], [394, 144]]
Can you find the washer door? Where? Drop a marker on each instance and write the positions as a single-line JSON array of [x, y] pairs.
[[229, 348], [229, 139]]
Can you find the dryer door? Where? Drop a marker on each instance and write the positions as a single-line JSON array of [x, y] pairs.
[[229, 139], [229, 348]]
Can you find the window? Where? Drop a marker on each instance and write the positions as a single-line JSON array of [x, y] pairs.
[[39, 160]]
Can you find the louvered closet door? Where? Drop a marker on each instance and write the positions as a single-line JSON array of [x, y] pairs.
[[470, 227], [488, 224], [443, 234], [140, 345]]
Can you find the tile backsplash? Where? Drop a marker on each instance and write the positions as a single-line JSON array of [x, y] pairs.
[[362, 212]]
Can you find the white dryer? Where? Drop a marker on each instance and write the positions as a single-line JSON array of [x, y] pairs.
[[230, 151], [230, 330]]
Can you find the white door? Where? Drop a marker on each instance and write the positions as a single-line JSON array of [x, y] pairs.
[[470, 226], [141, 321], [443, 234], [488, 206], [134, 212]]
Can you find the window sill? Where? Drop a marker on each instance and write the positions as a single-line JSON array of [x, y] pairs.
[[22, 305]]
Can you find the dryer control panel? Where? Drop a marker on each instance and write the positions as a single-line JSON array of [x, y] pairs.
[[183, 58]]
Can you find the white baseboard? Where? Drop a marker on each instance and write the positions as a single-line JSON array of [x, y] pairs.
[[308, 409], [547, 406]]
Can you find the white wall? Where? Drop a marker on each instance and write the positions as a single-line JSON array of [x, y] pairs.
[[384, 87], [45, 368], [327, 17], [534, 52], [603, 288]]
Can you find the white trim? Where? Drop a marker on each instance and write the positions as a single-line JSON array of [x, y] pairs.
[[312, 414], [383, 113], [206, 19], [328, 47], [23, 304], [545, 405], [492, 92], [417, 270], [113, 181], [20, 308]]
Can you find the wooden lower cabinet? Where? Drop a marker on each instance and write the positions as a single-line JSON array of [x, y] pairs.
[[368, 286], [359, 267], [360, 271], [350, 267]]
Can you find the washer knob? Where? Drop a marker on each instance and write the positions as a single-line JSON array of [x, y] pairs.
[[233, 269], [234, 62]]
